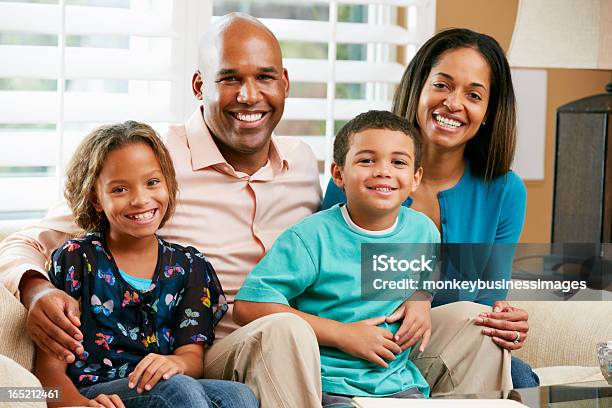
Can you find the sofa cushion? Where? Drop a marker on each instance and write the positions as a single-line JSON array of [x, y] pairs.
[[14, 341], [564, 333]]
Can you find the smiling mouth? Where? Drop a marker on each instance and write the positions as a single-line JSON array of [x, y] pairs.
[[382, 189], [446, 122], [143, 216], [248, 117]]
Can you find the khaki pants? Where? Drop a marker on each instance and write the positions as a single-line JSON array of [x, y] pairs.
[[276, 355], [459, 358]]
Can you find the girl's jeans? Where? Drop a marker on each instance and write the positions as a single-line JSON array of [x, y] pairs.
[[177, 392]]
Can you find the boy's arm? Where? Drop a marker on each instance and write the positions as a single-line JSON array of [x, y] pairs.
[[361, 339], [52, 373], [328, 332]]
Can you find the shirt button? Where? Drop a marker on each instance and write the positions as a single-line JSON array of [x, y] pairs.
[[443, 220]]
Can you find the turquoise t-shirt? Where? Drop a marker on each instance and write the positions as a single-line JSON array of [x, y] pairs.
[[141, 284], [315, 266]]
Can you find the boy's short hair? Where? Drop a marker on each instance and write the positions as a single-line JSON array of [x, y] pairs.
[[88, 160], [375, 119]]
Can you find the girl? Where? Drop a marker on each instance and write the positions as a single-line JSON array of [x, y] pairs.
[[148, 307]]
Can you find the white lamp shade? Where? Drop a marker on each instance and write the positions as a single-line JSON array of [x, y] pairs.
[[562, 34]]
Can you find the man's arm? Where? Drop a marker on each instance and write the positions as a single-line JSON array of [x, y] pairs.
[[52, 320], [29, 249]]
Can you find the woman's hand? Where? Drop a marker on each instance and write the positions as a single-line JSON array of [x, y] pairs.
[[152, 368], [365, 340], [506, 325]]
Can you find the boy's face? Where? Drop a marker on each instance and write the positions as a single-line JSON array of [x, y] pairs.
[[378, 173]]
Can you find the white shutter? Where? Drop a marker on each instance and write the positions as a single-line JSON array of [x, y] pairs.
[[69, 65], [126, 60]]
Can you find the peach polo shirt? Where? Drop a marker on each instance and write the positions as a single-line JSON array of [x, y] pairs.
[[230, 216]]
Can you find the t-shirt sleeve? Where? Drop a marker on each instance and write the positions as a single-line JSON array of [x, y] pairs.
[[201, 305], [283, 274], [513, 209], [68, 265]]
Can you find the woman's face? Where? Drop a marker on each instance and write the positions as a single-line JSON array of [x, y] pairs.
[[454, 99]]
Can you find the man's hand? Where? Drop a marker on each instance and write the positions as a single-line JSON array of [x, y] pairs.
[[503, 324], [53, 319], [416, 323], [153, 368], [365, 340], [106, 401]]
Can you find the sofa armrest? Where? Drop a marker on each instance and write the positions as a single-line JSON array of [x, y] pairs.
[[564, 333], [14, 341]]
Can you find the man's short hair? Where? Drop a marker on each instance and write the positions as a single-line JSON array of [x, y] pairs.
[[375, 119]]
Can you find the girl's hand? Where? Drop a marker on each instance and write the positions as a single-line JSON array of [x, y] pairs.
[[153, 368], [416, 323], [503, 324], [365, 340], [106, 401]]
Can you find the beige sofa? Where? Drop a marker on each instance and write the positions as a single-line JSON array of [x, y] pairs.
[[561, 344]]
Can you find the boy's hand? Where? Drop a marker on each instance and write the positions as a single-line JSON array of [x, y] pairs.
[[153, 368], [416, 323], [106, 401], [364, 340]]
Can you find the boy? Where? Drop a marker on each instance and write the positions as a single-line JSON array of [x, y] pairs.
[[313, 269]]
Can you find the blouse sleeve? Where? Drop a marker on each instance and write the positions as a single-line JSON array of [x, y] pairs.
[[202, 304], [67, 268]]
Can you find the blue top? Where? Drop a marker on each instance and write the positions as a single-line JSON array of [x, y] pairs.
[[142, 284], [474, 211], [120, 323], [315, 267]]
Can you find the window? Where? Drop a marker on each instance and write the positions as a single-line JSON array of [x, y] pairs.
[[70, 65]]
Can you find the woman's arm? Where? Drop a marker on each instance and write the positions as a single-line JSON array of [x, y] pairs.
[[503, 324]]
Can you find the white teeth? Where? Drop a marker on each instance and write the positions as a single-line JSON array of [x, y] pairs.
[[446, 122], [384, 189], [251, 117], [143, 217]]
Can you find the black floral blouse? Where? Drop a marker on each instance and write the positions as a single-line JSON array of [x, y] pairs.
[[121, 324]]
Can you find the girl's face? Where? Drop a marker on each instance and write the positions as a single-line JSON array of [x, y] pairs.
[[131, 191], [454, 99]]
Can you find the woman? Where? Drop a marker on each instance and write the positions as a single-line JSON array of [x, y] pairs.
[[458, 91]]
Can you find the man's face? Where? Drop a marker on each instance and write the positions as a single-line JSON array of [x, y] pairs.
[[243, 89]]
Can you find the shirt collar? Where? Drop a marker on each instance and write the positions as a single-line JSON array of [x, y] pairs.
[[205, 153]]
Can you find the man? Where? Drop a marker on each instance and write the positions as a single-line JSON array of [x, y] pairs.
[[239, 189]]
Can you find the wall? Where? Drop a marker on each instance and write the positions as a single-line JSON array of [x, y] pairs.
[[496, 18]]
